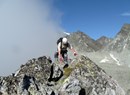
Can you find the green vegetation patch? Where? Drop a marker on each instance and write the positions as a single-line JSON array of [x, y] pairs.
[[67, 71]]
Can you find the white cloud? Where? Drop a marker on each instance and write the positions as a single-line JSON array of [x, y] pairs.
[[125, 14], [28, 29]]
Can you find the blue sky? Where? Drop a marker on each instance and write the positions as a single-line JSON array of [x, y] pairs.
[[94, 17]]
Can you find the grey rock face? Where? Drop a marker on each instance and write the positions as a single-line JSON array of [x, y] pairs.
[[104, 41], [121, 41], [94, 80], [128, 92], [83, 42], [40, 77]]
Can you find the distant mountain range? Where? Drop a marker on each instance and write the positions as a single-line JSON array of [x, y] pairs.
[[84, 43], [104, 50], [111, 50]]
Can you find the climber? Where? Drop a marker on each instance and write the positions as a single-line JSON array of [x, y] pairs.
[[62, 45]]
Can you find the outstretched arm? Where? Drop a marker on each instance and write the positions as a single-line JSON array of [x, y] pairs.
[[73, 50]]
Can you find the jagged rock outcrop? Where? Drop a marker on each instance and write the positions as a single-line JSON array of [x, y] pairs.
[[121, 41], [83, 42], [41, 77]]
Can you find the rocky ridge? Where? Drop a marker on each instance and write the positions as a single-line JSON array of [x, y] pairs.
[[121, 41], [42, 77], [83, 42]]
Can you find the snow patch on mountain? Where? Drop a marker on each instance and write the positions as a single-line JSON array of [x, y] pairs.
[[124, 46], [104, 60], [114, 58]]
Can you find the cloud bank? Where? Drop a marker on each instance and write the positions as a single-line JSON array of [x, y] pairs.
[[28, 29]]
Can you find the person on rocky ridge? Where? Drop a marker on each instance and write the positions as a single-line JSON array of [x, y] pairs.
[[62, 46]]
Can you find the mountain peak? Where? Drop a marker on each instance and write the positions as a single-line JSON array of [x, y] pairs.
[[125, 30], [126, 25], [83, 42], [104, 40]]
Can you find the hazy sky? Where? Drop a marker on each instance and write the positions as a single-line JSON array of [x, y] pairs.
[[28, 29], [94, 17]]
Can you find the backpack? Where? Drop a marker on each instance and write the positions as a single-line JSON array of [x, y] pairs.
[[59, 40]]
